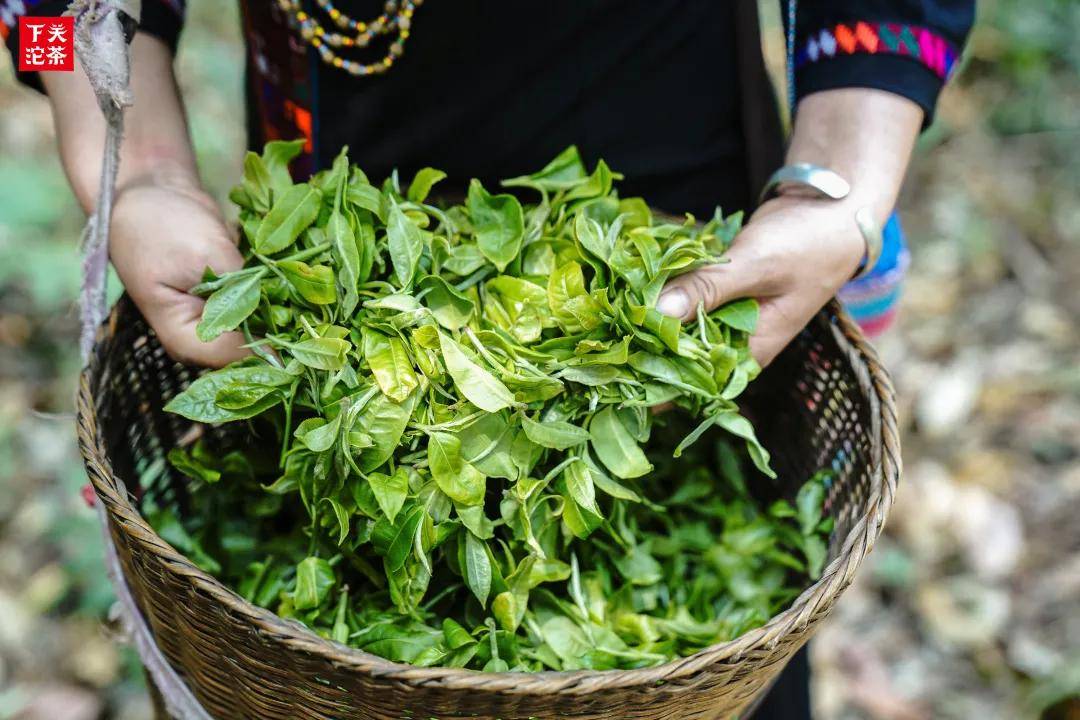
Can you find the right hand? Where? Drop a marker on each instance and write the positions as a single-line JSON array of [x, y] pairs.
[[163, 235]]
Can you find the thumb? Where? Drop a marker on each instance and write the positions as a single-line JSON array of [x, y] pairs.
[[713, 285], [175, 318]]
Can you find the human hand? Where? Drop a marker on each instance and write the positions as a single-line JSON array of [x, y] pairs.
[[792, 256], [164, 233]]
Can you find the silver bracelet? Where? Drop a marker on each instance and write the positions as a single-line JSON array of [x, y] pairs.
[[872, 236], [823, 181], [829, 184]]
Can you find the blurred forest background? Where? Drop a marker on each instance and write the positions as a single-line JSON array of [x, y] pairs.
[[970, 605]]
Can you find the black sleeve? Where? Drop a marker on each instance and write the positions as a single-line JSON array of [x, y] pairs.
[[161, 18], [908, 47]]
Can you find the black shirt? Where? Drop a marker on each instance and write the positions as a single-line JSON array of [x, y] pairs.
[[496, 89]]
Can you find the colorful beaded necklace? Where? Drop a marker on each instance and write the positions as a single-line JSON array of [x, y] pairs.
[[395, 21]]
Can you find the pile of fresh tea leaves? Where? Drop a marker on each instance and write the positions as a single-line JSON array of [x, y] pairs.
[[449, 455]]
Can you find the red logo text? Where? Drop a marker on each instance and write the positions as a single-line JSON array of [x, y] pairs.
[[46, 44]]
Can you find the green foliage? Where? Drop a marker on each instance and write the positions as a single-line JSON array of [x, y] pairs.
[[454, 459]]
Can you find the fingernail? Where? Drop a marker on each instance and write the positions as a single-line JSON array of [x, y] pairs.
[[674, 302]]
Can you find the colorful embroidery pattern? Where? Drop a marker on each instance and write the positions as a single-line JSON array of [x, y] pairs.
[[283, 79], [10, 11], [918, 43]]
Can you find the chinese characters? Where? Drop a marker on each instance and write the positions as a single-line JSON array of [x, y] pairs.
[[46, 44]]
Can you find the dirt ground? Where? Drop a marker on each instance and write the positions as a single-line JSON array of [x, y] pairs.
[[970, 604]]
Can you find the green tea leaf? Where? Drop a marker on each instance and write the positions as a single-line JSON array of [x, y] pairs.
[[580, 520], [291, 214], [240, 396], [369, 198], [474, 519], [341, 515], [198, 401], [591, 375], [404, 538], [739, 314], [390, 364], [332, 182], [477, 568], [276, 157], [656, 366], [565, 171], [487, 445], [509, 606], [314, 283], [385, 421], [517, 306], [257, 181], [191, 466], [421, 185], [464, 260], [390, 490], [406, 649], [611, 487], [816, 555], [458, 479], [346, 251], [566, 639], [555, 434], [321, 353], [229, 306], [664, 327], [455, 635], [499, 224], [639, 567], [592, 237], [405, 243], [596, 185], [809, 502], [314, 580], [615, 447], [211, 281], [579, 483], [574, 309], [479, 387], [451, 308], [738, 425], [317, 434]]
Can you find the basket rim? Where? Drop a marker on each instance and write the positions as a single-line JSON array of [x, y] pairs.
[[874, 382]]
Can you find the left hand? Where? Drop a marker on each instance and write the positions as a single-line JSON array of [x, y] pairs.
[[792, 256]]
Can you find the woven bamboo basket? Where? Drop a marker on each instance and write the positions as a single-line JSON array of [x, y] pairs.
[[826, 402]]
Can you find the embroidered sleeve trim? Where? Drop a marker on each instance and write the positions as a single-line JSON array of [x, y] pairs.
[[918, 43]]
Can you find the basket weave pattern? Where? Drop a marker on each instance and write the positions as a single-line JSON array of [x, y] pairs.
[[826, 402]]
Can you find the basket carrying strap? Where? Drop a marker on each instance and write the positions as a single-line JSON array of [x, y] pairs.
[[103, 52]]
